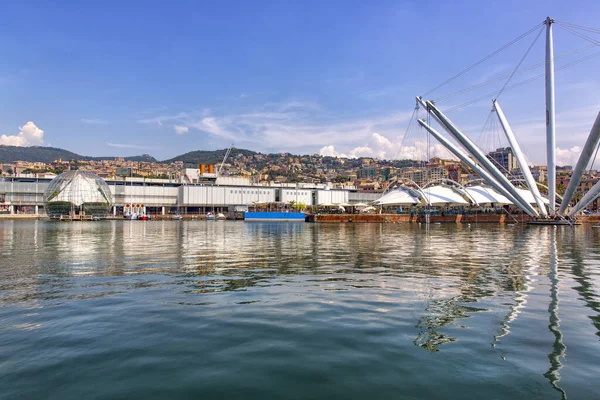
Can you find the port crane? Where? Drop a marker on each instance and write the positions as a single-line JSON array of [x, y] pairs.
[[224, 159]]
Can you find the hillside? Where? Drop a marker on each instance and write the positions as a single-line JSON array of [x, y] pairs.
[[208, 157], [9, 154], [142, 158]]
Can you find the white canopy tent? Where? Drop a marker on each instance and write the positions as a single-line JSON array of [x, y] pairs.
[[399, 197], [487, 196], [445, 196], [528, 196]]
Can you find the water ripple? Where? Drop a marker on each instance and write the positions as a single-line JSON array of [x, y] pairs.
[[182, 309]]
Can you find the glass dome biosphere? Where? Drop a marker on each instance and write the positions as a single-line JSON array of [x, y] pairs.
[[77, 193]]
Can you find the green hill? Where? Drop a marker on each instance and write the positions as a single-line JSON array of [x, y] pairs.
[[208, 157], [10, 154], [143, 158]]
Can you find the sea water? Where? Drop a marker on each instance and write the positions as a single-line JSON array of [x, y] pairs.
[[205, 309]]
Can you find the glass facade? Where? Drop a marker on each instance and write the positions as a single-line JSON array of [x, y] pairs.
[[77, 193]]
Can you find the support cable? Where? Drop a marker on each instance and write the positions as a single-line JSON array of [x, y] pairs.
[[464, 71], [594, 159], [581, 35], [410, 126], [487, 95], [501, 77], [520, 62], [575, 26]]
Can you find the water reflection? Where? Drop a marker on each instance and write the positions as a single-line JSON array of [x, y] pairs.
[[447, 290], [521, 273], [558, 348], [577, 249]]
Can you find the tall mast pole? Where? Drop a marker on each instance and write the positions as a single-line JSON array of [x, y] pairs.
[[512, 140], [550, 126]]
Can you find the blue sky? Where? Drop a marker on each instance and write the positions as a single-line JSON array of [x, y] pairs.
[[338, 77]]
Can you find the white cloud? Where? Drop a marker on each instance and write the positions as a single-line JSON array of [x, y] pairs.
[[291, 126], [181, 129], [567, 156], [329, 151], [94, 121], [215, 126], [382, 148], [29, 135]]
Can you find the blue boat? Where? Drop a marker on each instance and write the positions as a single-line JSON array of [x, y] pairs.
[[273, 216]]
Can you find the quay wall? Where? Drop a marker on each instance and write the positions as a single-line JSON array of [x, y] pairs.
[[360, 218]]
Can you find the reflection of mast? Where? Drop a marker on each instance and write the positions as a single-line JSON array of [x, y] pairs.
[[559, 349], [520, 300], [521, 289], [586, 283]]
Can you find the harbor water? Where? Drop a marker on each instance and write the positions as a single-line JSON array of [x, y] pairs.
[[205, 309]]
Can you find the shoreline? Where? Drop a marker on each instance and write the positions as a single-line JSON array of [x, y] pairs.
[[348, 218]]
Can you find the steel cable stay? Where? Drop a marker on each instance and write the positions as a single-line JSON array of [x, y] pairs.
[[595, 154], [490, 94], [491, 140], [520, 62], [492, 54], [581, 35], [489, 137], [521, 71], [413, 140], [568, 27], [575, 26]]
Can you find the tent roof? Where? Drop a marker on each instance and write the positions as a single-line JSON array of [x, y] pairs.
[[444, 195], [528, 196], [398, 197], [486, 195]]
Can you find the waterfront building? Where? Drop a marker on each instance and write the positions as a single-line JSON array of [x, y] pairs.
[[504, 159], [25, 195], [77, 193]]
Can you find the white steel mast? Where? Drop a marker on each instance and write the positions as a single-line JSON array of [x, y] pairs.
[[520, 158], [584, 159], [475, 167], [550, 128], [478, 154]]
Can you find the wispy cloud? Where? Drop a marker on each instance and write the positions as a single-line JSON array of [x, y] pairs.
[[95, 121], [128, 146], [288, 125], [389, 91], [181, 129]]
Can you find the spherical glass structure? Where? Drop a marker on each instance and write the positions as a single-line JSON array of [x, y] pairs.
[[77, 193]]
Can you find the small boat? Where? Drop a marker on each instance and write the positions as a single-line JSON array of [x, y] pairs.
[[220, 217], [132, 216], [144, 217], [176, 217], [210, 216], [274, 216]]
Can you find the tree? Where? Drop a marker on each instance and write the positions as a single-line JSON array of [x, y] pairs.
[[300, 206]]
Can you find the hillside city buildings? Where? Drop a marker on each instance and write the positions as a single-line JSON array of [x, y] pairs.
[[363, 179]]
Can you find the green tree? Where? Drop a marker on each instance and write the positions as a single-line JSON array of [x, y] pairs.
[[300, 206]]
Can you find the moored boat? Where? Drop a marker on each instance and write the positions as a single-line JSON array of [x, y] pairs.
[[274, 216]]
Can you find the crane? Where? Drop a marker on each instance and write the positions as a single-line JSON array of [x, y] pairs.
[[224, 159]]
